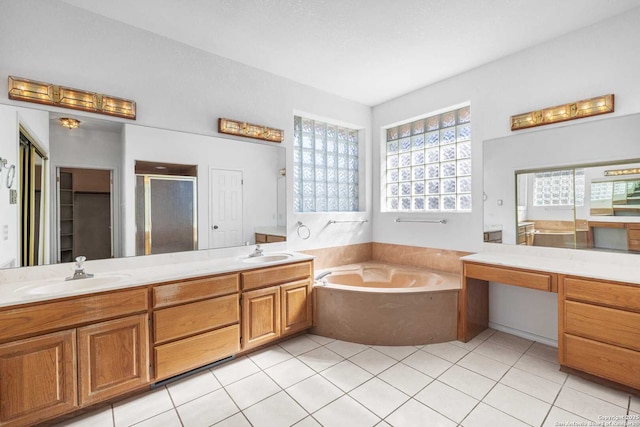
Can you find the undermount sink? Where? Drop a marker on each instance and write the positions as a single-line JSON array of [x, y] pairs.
[[52, 286], [263, 259]]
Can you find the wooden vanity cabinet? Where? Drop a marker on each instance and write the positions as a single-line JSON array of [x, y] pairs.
[[598, 328], [62, 355], [38, 378], [276, 301], [195, 322]]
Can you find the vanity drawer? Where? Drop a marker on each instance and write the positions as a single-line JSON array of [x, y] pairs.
[[48, 316], [510, 276], [604, 324], [275, 275], [184, 320], [193, 290], [190, 353], [613, 363], [601, 292]]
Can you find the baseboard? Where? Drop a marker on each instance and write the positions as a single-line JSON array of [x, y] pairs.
[[524, 334]]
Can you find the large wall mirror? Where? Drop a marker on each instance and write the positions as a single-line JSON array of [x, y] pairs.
[[573, 186], [113, 189]]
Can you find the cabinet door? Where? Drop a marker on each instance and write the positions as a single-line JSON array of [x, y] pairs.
[[260, 316], [113, 358], [38, 378], [296, 306]]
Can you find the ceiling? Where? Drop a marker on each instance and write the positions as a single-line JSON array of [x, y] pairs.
[[368, 51]]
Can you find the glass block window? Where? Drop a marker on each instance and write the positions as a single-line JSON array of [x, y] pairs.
[[559, 188], [325, 167], [428, 163]]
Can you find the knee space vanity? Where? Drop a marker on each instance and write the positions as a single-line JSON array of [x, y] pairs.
[[65, 352], [598, 317]]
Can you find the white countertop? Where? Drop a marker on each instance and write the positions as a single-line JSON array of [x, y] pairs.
[[596, 265], [19, 290]]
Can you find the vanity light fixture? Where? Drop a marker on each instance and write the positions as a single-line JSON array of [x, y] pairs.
[[618, 172], [561, 113], [234, 127], [21, 89], [69, 123]]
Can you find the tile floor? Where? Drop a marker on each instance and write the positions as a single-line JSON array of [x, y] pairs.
[[494, 380]]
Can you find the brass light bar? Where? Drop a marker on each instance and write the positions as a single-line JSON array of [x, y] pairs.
[[618, 172], [22, 89], [234, 127], [561, 113]]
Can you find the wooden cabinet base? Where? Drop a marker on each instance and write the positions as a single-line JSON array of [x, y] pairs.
[[38, 378], [607, 361], [190, 353]]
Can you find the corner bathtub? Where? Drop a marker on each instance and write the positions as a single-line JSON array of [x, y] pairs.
[[381, 304]]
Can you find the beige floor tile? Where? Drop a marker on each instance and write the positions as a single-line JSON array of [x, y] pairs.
[[314, 393], [485, 416], [270, 356], [298, 345], [289, 372], [541, 368], [603, 392], [470, 345], [320, 339], [486, 333], [396, 352], [346, 349], [207, 410], [194, 386], [142, 407], [517, 404], [484, 365], [507, 340], [346, 412], [308, 422], [383, 423], [102, 417], [165, 419], [276, 411], [558, 417], [251, 390], [235, 370], [586, 406], [415, 414], [546, 352], [346, 375], [427, 363], [531, 384], [237, 420], [447, 401], [405, 378], [373, 361], [446, 351], [475, 385], [379, 397], [635, 403], [497, 352], [320, 359]]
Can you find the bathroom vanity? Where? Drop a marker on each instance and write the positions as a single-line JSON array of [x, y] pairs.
[[76, 347], [598, 308]]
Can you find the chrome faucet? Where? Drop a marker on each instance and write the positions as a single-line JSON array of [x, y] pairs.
[[257, 252], [79, 272]]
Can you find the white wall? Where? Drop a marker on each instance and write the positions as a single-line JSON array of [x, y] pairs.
[[175, 86], [594, 61]]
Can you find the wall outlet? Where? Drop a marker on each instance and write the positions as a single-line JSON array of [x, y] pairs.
[[13, 197], [5, 232]]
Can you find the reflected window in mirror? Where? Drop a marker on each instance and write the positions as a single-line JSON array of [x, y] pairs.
[[326, 164], [428, 163]]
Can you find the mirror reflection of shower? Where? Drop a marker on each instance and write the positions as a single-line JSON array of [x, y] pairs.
[[166, 207]]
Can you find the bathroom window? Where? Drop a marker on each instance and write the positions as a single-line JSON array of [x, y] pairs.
[[559, 188], [428, 163], [325, 167]]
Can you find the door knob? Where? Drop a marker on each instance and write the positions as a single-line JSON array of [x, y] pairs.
[[215, 227]]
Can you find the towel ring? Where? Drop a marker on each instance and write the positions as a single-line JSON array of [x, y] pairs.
[[11, 175], [303, 231]]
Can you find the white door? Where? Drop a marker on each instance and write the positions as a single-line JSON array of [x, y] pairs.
[[225, 208]]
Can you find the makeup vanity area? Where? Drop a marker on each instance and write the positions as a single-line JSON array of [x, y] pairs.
[[597, 286]]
